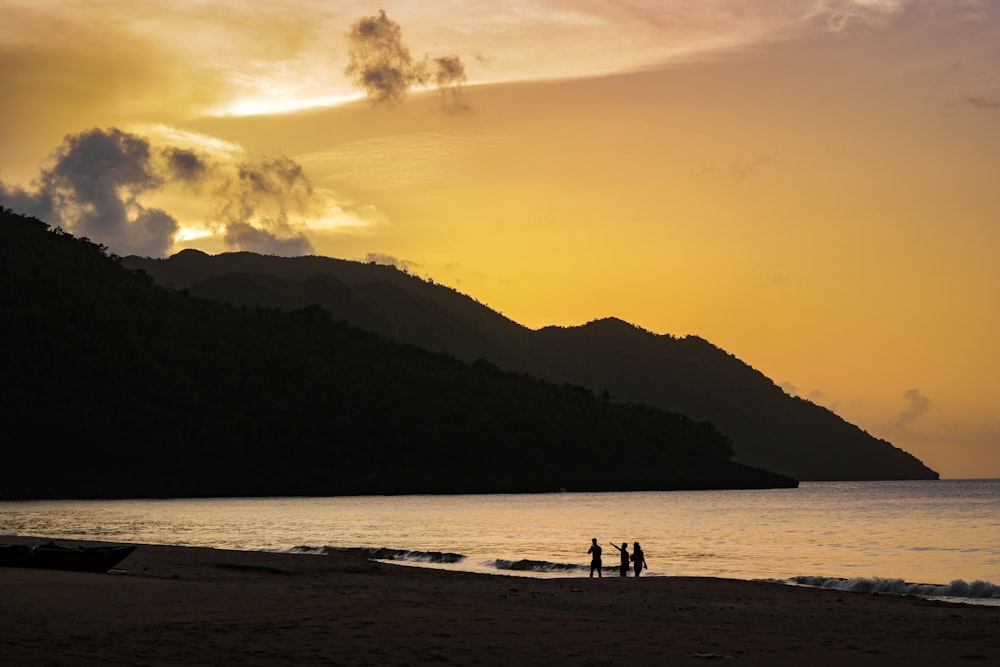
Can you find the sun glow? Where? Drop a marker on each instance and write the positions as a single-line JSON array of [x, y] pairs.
[[192, 234], [262, 106]]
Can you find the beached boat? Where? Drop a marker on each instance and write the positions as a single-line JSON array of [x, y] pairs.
[[58, 557]]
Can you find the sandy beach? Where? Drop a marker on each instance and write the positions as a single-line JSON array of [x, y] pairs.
[[194, 606]]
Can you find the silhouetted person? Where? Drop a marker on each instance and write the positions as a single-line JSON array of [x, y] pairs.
[[638, 558], [595, 557], [623, 550]]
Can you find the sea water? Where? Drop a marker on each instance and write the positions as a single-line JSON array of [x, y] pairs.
[[928, 538]]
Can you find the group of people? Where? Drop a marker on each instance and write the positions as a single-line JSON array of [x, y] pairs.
[[637, 558]]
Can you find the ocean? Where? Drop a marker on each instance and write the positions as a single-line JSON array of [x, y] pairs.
[[938, 539]]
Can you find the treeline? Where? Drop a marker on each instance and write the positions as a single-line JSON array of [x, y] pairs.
[[687, 375], [119, 388]]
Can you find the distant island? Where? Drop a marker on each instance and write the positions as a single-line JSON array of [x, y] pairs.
[[768, 428], [122, 388]]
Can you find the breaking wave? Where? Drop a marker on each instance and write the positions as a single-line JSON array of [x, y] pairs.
[[383, 553], [446, 558], [976, 590], [526, 565]]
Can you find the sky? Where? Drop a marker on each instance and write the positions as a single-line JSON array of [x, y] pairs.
[[811, 185]]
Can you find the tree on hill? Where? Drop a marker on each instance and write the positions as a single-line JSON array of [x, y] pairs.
[[689, 375], [122, 388]]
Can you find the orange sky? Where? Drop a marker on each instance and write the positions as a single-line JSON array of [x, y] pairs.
[[810, 186]]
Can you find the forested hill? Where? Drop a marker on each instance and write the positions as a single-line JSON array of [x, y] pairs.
[[119, 388], [769, 428]]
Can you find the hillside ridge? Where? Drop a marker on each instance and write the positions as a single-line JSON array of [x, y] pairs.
[[688, 375], [123, 388]]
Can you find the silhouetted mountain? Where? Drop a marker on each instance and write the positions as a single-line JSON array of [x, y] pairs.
[[117, 387], [769, 428]]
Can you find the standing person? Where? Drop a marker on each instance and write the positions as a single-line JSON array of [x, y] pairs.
[[595, 557], [623, 550], [638, 558]]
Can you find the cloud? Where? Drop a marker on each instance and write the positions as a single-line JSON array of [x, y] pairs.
[[380, 65], [260, 199], [93, 190], [244, 236], [815, 396], [917, 405], [449, 76], [36, 204], [745, 168], [100, 180], [186, 165], [378, 62], [985, 103], [389, 260], [846, 15]]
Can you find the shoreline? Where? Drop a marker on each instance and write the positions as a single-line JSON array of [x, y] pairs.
[[193, 605], [959, 591]]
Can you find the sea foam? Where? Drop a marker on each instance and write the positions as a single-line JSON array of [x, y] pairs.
[[384, 553], [526, 565], [976, 590]]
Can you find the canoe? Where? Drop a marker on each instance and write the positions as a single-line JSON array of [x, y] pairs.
[[54, 556]]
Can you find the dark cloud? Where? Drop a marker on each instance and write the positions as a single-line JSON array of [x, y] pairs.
[[449, 77], [243, 236], [153, 230], [186, 165], [448, 71], [985, 103], [271, 176], [917, 405], [258, 201], [389, 260], [382, 67], [98, 178], [35, 204], [93, 190], [378, 63]]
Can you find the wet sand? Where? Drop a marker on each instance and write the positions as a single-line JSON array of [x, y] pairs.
[[193, 606]]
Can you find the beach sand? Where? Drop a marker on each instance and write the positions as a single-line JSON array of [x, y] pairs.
[[194, 606]]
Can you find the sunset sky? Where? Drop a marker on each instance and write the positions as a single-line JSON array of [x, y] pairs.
[[811, 185]]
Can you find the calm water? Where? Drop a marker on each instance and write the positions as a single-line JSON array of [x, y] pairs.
[[868, 535]]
